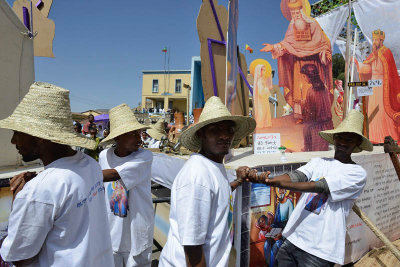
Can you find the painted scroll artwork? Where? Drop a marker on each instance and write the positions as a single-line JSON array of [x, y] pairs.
[[383, 107], [270, 209], [305, 76]]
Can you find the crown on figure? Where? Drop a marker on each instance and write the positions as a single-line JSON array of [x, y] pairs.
[[378, 34], [295, 4]]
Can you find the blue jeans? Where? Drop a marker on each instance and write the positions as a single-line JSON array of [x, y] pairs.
[[289, 255], [271, 248]]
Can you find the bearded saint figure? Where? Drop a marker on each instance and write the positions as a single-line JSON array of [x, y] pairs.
[[304, 43], [383, 107]]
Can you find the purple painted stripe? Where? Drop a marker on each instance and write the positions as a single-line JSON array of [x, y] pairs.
[[27, 21], [217, 21], [39, 3], [214, 79], [245, 80]]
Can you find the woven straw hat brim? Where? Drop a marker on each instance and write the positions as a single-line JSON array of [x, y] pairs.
[[65, 138], [365, 145], [45, 112], [154, 133], [244, 127], [120, 130]]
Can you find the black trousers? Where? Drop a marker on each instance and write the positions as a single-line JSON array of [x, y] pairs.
[[289, 255]]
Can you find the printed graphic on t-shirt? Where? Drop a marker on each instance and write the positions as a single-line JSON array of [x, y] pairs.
[[230, 218], [118, 197], [316, 202]]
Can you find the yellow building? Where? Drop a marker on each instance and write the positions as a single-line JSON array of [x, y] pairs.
[[165, 89]]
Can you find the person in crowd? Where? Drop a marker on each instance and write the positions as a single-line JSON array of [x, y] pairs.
[[146, 139], [316, 231], [316, 108], [78, 127], [106, 132], [58, 216], [85, 129], [201, 226], [94, 153], [156, 133], [100, 132], [127, 173]]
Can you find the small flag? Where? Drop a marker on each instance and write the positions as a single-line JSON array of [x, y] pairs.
[[248, 48], [164, 49]]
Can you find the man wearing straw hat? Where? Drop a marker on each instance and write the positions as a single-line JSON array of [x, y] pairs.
[[156, 132], [316, 231], [201, 229], [127, 173], [58, 218]]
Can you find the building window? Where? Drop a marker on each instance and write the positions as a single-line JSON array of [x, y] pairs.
[[178, 86], [155, 86]]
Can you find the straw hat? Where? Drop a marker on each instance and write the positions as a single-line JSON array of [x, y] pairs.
[[122, 120], [215, 111], [45, 112], [353, 123], [157, 131]]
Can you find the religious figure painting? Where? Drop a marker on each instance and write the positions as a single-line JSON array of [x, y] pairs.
[[268, 221], [383, 107], [304, 43], [118, 199], [304, 62]]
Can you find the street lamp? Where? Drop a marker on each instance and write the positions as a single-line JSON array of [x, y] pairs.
[[187, 86]]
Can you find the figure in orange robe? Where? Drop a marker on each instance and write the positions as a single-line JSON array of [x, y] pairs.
[[383, 107], [304, 43]]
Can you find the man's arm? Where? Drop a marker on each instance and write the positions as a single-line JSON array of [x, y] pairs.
[[284, 181], [194, 256], [110, 175]]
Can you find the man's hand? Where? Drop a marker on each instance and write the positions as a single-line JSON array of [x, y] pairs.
[[242, 173], [267, 48], [18, 181]]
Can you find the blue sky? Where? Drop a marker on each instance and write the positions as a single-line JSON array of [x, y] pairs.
[[102, 46]]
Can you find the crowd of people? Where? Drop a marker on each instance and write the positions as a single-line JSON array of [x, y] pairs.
[[151, 137], [80, 212]]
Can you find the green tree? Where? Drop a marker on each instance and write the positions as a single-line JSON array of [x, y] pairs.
[[338, 66]]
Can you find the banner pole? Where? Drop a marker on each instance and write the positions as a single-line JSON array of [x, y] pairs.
[[346, 84]]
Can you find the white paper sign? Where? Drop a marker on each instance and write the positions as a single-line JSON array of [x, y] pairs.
[[374, 83], [364, 91], [267, 143]]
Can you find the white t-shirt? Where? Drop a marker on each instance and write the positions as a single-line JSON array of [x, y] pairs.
[[60, 216], [201, 213], [129, 203], [318, 222]]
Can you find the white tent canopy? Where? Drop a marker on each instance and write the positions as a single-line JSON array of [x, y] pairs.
[[16, 74]]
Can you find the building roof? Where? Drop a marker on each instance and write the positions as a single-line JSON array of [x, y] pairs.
[[168, 71]]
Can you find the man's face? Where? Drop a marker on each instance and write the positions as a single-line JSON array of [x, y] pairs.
[[376, 44], [77, 129], [93, 132], [129, 141], [145, 135], [346, 142], [216, 138], [26, 145], [282, 193], [296, 14], [91, 118]]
